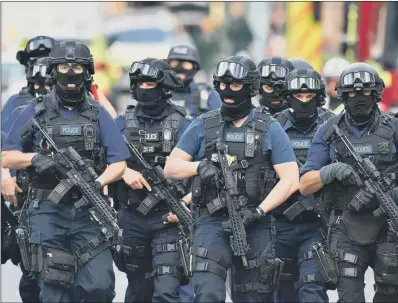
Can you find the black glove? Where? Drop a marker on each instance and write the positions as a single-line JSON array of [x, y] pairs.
[[97, 186], [362, 198], [340, 171], [249, 216], [42, 163], [208, 173]]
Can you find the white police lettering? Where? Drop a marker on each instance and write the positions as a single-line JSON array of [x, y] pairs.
[[301, 144], [70, 130], [235, 137], [148, 149], [151, 136], [363, 149]]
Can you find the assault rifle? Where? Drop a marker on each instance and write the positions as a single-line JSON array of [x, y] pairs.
[[78, 174], [230, 191], [162, 189], [372, 180]]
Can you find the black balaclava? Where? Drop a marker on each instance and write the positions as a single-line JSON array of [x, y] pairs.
[[304, 113], [360, 107], [267, 98], [150, 101], [41, 90], [70, 96], [242, 102], [189, 74]]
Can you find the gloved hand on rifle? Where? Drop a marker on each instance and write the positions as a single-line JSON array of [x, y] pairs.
[[42, 162], [361, 199], [339, 171], [249, 216], [208, 173]]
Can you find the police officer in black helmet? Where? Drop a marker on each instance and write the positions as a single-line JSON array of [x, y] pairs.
[[303, 93], [236, 80], [149, 258], [71, 258], [271, 70], [358, 238], [195, 98]]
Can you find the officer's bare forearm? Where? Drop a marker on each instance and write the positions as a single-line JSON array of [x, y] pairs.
[[5, 173], [310, 182], [112, 173], [14, 159], [282, 190], [179, 169]]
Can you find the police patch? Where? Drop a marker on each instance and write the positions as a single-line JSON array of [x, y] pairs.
[[301, 144], [235, 137], [384, 147], [70, 130], [363, 149], [148, 149], [151, 136]]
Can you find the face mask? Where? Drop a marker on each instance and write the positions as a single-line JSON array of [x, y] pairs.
[[241, 106], [266, 100], [150, 101], [360, 107], [70, 95], [304, 112], [189, 74]]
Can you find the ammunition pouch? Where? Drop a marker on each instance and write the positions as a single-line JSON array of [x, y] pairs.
[[386, 264], [326, 264], [59, 268], [132, 259]]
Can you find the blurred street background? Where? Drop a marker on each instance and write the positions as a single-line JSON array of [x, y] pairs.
[[121, 32]]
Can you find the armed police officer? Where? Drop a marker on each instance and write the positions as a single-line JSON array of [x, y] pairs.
[[273, 69], [358, 238], [154, 127], [63, 245], [257, 145], [303, 92], [195, 98]]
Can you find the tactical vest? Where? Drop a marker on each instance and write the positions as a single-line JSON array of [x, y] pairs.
[[155, 144], [376, 144], [82, 133], [196, 101], [251, 165], [301, 143]]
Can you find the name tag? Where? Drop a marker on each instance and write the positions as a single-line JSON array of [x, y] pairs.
[[235, 137], [151, 136], [301, 144], [363, 149], [148, 149], [179, 102], [70, 130]]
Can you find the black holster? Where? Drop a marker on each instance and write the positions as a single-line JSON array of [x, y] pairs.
[[326, 264]]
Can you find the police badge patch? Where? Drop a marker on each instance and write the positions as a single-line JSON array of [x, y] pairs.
[[384, 147]]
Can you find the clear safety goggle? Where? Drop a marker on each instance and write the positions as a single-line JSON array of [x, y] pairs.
[[143, 69], [304, 83], [236, 70], [362, 77], [279, 71], [77, 68], [37, 44], [39, 69]]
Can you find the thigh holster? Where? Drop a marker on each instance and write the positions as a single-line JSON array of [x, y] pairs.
[[358, 271], [220, 268], [131, 259]]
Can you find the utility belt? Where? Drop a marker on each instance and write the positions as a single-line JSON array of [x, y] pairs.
[[36, 195], [143, 208]]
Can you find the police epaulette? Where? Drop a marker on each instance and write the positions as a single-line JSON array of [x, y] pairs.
[[281, 117], [210, 114], [181, 110]]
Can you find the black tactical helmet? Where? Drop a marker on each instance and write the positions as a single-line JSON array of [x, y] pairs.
[[360, 76], [39, 46], [71, 52], [37, 70], [302, 81], [301, 63], [184, 52], [273, 69], [237, 69], [154, 70]]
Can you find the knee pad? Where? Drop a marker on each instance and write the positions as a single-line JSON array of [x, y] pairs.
[[386, 265], [58, 267]]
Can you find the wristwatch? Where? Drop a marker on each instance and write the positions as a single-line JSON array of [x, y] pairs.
[[260, 211]]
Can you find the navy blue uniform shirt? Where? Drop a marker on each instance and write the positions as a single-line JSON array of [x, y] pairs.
[[321, 154], [13, 102], [275, 140], [110, 137]]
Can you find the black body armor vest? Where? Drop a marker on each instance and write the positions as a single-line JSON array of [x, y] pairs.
[[194, 102]]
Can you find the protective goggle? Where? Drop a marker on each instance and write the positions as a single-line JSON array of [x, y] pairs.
[[236, 70], [279, 71], [39, 43], [143, 69], [39, 69], [304, 84], [77, 68], [361, 77]]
